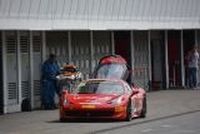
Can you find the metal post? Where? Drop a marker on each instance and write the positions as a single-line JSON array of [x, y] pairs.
[[113, 42], [19, 77], [166, 60], [196, 38], [149, 58], [91, 51], [69, 47], [132, 56], [31, 68], [4, 61], [182, 62]]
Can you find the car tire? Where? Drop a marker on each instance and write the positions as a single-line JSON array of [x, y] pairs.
[[144, 108], [63, 120], [129, 112]]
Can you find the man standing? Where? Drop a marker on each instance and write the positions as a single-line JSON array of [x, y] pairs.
[[193, 61], [50, 70]]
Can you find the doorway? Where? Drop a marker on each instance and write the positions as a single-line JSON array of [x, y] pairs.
[[174, 58], [122, 45], [188, 43], [157, 59]]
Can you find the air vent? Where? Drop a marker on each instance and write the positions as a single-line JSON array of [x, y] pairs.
[[24, 42], [12, 90], [25, 87], [11, 42], [37, 43], [37, 87]]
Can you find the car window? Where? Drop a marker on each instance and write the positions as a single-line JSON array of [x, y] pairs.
[[99, 88], [117, 71]]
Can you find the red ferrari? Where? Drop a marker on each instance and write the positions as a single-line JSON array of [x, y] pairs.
[[109, 95]]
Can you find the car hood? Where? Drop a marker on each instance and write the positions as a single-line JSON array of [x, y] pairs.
[[91, 98]]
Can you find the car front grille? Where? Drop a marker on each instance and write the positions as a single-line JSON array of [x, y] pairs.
[[89, 113]]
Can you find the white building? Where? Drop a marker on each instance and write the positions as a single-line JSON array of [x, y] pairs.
[[153, 35]]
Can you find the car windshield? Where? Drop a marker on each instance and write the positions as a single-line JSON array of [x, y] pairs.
[[117, 71], [100, 87]]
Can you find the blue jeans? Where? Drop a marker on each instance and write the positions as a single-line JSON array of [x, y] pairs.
[[192, 77]]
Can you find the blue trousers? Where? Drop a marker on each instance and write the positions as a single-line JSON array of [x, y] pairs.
[[48, 93], [192, 77]]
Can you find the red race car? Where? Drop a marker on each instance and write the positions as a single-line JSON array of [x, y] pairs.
[[110, 94]]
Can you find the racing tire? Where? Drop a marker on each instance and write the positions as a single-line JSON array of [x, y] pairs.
[[144, 108], [129, 112]]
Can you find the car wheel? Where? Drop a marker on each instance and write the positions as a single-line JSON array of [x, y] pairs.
[[144, 108], [129, 112]]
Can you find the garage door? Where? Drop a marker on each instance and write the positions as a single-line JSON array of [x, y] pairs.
[[11, 71], [57, 43], [141, 66], [81, 51], [37, 61], [25, 68], [102, 46]]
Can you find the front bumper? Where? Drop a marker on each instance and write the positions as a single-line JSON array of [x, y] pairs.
[[117, 112]]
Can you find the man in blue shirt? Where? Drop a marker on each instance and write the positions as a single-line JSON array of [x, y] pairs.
[[50, 70]]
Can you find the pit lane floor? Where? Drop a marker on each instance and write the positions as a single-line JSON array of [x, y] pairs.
[[169, 112]]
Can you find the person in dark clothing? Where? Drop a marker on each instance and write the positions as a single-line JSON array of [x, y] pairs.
[[50, 70]]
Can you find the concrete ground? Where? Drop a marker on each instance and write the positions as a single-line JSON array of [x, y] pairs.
[[162, 106]]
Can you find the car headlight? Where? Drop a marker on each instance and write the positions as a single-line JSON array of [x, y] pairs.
[[65, 102], [115, 101]]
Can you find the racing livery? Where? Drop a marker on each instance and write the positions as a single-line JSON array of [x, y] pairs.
[[110, 94]]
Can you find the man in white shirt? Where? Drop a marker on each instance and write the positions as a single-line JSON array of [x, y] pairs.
[[193, 63]]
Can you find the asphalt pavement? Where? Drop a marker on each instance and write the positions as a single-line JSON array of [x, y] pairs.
[[168, 112]]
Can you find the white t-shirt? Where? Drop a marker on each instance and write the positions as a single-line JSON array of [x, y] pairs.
[[194, 60]]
